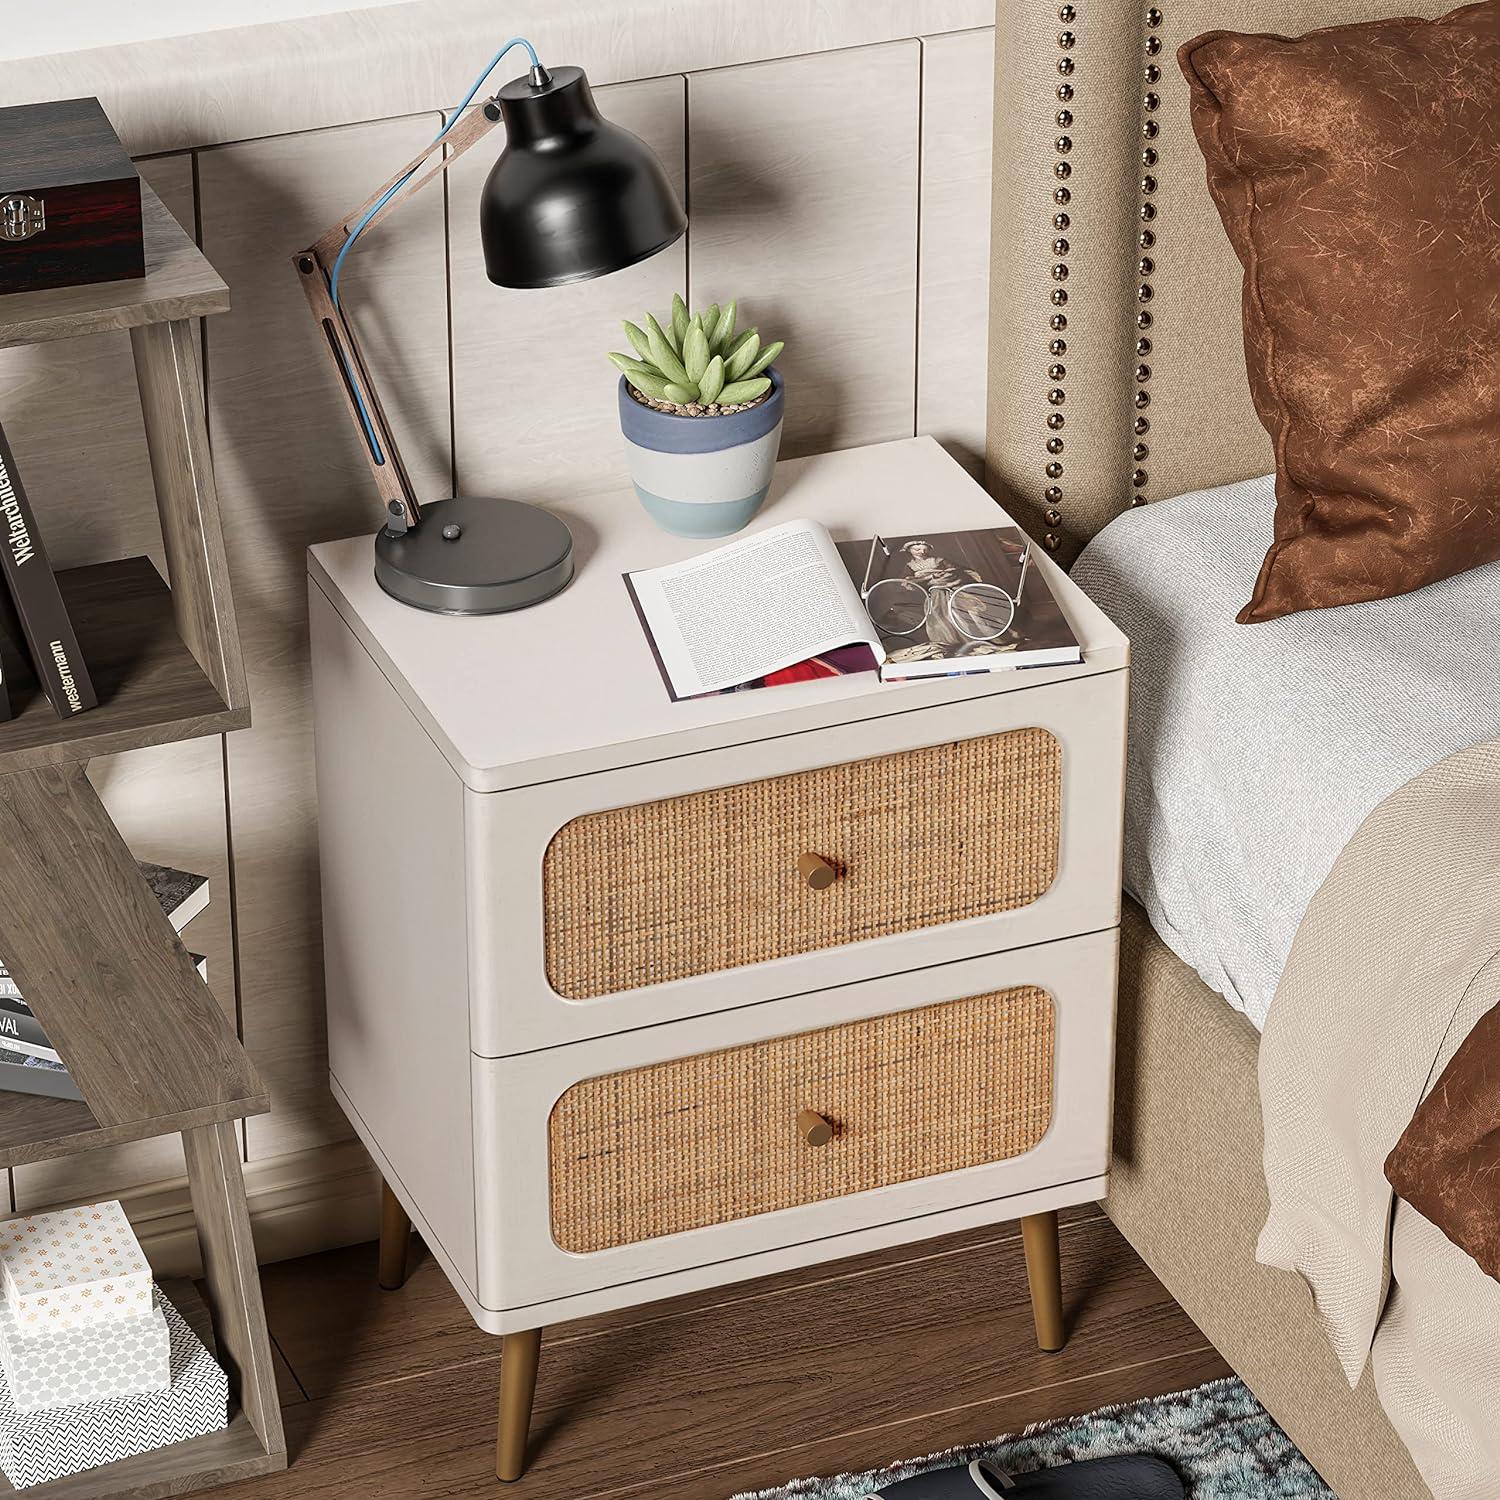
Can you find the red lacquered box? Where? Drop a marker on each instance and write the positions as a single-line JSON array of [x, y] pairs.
[[70, 198]]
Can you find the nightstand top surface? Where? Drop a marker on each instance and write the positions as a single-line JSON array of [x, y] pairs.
[[570, 687]]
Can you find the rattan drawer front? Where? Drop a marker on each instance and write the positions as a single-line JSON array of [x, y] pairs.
[[659, 892], [705, 1140]]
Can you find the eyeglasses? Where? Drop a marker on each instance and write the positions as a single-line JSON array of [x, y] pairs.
[[979, 612]]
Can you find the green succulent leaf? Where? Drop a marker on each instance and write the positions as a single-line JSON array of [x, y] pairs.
[[734, 346], [737, 367], [695, 352], [698, 358], [721, 333], [744, 390], [765, 360], [638, 340], [713, 380], [663, 353], [626, 365], [648, 385]]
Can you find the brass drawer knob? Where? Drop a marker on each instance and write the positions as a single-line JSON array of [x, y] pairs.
[[813, 1128], [816, 871]]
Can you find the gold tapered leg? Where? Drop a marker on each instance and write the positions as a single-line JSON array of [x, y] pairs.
[[1044, 1272], [395, 1238], [520, 1354]]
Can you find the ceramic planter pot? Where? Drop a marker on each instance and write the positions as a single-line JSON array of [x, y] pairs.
[[702, 476]]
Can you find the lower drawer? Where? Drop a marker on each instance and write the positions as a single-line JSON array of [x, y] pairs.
[[709, 1139], [718, 1138]]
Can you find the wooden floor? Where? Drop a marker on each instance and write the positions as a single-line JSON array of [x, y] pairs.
[[391, 1395]]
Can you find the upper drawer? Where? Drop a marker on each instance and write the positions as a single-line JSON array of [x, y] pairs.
[[665, 890], [607, 902]]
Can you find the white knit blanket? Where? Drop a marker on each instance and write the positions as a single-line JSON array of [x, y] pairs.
[[1257, 750]]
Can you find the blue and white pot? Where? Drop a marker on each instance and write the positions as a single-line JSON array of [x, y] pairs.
[[702, 476]]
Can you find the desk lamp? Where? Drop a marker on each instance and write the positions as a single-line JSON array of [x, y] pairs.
[[571, 197]]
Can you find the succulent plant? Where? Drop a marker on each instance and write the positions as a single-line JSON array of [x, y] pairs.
[[697, 359]]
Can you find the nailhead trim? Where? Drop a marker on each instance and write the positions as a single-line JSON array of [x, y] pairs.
[[1146, 265]]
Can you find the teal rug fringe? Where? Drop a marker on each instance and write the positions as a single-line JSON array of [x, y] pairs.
[[1220, 1439]]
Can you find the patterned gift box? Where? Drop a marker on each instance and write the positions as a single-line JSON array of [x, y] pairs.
[[47, 1367], [38, 1446], [73, 1268]]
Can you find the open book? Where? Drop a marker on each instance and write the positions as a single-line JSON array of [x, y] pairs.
[[939, 604]]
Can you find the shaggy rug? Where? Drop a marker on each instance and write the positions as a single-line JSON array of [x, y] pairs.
[[1219, 1438]]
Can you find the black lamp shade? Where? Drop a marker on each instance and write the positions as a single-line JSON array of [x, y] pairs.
[[571, 196]]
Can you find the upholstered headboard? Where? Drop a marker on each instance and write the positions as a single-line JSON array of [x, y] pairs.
[[1102, 220]]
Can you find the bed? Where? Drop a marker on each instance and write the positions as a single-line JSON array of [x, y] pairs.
[[1158, 406]]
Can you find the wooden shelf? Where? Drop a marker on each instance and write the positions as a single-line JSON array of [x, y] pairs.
[[200, 1463], [151, 690], [179, 283]]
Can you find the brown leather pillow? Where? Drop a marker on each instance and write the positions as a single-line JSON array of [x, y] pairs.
[[1357, 171]]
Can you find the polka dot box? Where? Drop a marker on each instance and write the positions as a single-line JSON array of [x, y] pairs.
[[73, 1269]]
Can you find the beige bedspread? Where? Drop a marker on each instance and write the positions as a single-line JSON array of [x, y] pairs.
[[1396, 959]]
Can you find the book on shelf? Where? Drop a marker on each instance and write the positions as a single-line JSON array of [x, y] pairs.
[[50, 638], [932, 604], [29, 1064]]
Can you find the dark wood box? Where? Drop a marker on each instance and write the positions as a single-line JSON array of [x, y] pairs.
[[70, 198]]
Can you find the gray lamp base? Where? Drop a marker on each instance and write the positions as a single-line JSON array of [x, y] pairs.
[[472, 556]]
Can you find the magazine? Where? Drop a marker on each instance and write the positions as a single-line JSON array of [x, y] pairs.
[[934, 604]]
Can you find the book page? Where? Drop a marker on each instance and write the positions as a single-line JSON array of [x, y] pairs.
[[764, 602]]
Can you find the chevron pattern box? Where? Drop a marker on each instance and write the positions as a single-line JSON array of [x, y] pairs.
[[73, 1268], [38, 1446]]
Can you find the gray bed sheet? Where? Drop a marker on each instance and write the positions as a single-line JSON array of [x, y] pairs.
[[1257, 750]]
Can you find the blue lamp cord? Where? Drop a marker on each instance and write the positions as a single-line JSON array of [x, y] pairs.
[[385, 197]]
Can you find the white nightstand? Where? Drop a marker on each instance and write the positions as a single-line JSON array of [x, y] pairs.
[[603, 1041]]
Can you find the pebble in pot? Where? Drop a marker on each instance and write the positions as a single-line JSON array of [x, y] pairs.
[[700, 407]]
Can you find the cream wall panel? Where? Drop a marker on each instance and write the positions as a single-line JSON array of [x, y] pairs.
[[953, 279], [290, 472], [803, 200], [534, 411], [74, 414]]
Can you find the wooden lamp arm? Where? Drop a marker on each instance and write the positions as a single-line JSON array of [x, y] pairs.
[[314, 266]]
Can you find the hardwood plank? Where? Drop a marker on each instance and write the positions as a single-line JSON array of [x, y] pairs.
[[290, 472], [803, 195], [534, 413], [179, 283], [899, 1360], [151, 690], [958, 78], [339, 1330], [937, 1430], [86, 940]]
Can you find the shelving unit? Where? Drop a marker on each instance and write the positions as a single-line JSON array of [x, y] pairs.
[[90, 947]]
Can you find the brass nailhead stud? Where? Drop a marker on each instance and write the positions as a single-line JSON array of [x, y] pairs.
[[1059, 297], [1054, 471], [1052, 494], [1059, 321], [1055, 420], [1052, 541], [1058, 346], [1060, 221]]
